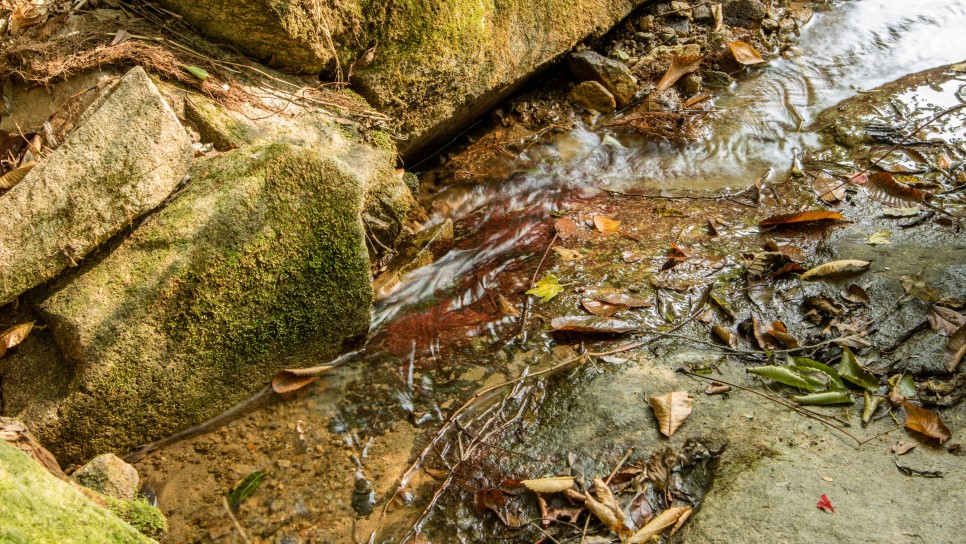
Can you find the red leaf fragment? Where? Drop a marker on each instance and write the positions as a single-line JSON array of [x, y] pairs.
[[825, 504], [801, 218]]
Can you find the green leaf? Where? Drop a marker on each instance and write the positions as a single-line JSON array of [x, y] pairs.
[[871, 403], [199, 73], [851, 370], [833, 376], [825, 397], [787, 376], [245, 488], [547, 288], [907, 386]]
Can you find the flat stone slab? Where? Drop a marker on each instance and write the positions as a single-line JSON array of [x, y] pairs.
[[128, 154]]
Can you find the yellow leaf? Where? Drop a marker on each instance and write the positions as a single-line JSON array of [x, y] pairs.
[[554, 484], [744, 53], [547, 288], [657, 525], [605, 225], [879, 238], [848, 266], [671, 410], [13, 336], [568, 254]]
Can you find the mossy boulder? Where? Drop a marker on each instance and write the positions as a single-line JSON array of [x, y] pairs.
[[37, 507], [436, 65], [259, 264]]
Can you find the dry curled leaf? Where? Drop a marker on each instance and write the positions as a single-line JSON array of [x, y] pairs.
[[745, 53], [856, 294], [944, 320], [801, 218], [15, 176], [885, 189], [553, 484], [955, 349], [680, 66], [903, 447], [607, 516], [835, 268], [14, 336], [926, 422], [715, 388], [671, 410], [659, 524], [605, 225]]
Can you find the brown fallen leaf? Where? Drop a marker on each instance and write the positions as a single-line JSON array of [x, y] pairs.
[[553, 484], [14, 336], [917, 287], [835, 268], [671, 410], [926, 422], [681, 521], [801, 218], [15, 176], [290, 379], [602, 309], [616, 296], [606, 497], [495, 501], [568, 255], [606, 226], [715, 388], [885, 189], [955, 349], [744, 53], [856, 294], [607, 516], [592, 324], [657, 525], [725, 335], [828, 188], [565, 227], [944, 320], [904, 446], [680, 66]]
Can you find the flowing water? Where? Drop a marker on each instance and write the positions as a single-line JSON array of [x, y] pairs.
[[441, 332]]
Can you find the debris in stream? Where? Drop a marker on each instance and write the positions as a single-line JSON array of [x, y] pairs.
[[547, 288], [245, 488], [825, 504], [836, 268]]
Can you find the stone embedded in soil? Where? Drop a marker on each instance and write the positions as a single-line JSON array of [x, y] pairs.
[[125, 157], [109, 475], [744, 13], [37, 507], [593, 96], [613, 75]]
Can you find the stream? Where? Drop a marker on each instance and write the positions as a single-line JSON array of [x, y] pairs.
[[444, 332]]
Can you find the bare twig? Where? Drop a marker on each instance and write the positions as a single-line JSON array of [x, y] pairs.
[[533, 281], [234, 520]]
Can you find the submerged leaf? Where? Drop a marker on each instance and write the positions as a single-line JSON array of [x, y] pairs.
[[851, 370], [615, 296], [825, 397], [680, 66], [787, 376], [245, 489], [926, 422], [592, 324], [828, 189], [801, 218], [885, 189], [602, 309], [568, 255], [897, 213], [606, 226], [554, 484], [671, 410], [917, 287], [834, 268], [955, 349], [879, 238], [744, 53], [565, 227], [547, 288]]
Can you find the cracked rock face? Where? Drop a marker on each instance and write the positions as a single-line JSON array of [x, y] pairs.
[[126, 156]]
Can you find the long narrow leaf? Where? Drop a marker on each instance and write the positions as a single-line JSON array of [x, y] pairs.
[[825, 397], [833, 376], [787, 376], [245, 489], [851, 370]]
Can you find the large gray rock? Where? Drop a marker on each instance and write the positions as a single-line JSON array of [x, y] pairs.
[[108, 475], [259, 264], [436, 65], [126, 156], [613, 75], [37, 507], [744, 13]]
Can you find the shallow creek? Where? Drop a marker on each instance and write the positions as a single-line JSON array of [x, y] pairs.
[[334, 449]]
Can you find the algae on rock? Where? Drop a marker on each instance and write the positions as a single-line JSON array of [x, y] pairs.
[[259, 261], [37, 507]]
